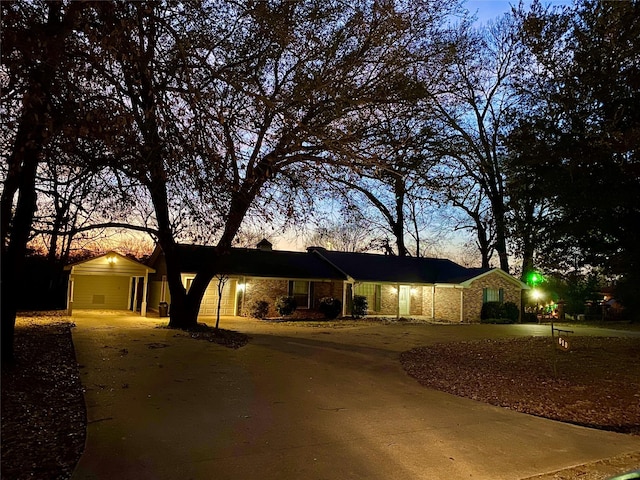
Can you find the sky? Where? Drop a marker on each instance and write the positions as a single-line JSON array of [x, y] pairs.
[[490, 9]]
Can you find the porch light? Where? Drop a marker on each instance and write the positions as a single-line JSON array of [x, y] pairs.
[[536, 294], [241, 287], [112, 259]]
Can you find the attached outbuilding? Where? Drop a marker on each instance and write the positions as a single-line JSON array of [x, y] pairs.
[[108, 282]]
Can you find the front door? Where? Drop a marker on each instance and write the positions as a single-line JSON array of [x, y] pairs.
[[404, 300]]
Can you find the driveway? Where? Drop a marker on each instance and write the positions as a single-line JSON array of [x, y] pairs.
[[302, 403]]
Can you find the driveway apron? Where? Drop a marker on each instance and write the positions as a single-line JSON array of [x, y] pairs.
[[300, 402]]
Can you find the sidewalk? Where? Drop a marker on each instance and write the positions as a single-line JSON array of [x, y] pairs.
[[299, 403]]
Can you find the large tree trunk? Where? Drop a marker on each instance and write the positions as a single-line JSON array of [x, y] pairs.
[[497, 205], [31, 138], [398, 227]]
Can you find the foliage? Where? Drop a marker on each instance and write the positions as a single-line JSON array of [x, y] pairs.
[[498, 312], [285, 305], [580, 137], [492, 310], [330, 307], [259, 309], [360, 306], [577, 290], [511, 312]]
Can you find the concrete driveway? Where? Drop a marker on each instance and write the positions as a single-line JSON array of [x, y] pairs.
[[301, 403]]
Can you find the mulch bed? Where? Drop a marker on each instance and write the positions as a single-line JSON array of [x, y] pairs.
[[43, 410], [596, 383], [226, 338]]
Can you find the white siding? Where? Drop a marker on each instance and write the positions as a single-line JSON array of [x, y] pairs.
[[209, 304], [101, 292]]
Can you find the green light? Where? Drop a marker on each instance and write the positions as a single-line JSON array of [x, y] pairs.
[[534, 278]]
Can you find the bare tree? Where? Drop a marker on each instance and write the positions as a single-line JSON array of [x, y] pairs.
[[474, 111], [223, 112]]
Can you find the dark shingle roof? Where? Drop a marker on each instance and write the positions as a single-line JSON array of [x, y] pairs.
[[258, 263], [385, 268], [319, 263]]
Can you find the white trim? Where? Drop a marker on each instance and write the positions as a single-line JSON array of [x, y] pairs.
[[111, 253], [511, 278]]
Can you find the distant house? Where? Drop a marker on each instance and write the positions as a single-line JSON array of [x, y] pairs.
[[108, 282], [436, 289]]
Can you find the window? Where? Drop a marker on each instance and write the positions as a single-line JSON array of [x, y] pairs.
[[492, 295], [373, 293], [301, 291]]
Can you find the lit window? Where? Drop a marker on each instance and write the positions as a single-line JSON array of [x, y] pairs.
[[492, 295], [373, 293], [301, 291]]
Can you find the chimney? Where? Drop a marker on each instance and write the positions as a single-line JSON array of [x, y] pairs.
[[264, 245]]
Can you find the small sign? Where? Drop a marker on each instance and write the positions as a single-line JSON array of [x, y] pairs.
[[563, 343]]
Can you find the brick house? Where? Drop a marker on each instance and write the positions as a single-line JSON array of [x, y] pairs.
[[437, 289]]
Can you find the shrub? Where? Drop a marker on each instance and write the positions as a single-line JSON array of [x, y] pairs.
[[330, 307], [491, 310], [511, 312], [285, 305], [259, 309], [496, 312], [360, 306]]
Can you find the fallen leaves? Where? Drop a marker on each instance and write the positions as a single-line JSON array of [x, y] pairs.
[[597, 382], [43, 411]]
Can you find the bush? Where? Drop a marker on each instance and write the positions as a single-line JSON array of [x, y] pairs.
[[285, 305], [511, 312], [259, 309], [330, 307], [492, 310], [496, 312], [360, 306]]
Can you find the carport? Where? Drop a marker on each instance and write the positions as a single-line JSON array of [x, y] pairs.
[[108, 282]]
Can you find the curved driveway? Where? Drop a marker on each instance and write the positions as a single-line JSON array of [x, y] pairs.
[[302, 403]]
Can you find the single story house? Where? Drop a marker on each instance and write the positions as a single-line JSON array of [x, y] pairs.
[[108, 282], [437, 289]]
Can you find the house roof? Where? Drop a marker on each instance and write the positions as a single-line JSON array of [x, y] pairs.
[[258, 263], [385, 268], [319, 263]]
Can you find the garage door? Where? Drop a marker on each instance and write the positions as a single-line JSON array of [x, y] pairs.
[[209, 304], [101, 292]]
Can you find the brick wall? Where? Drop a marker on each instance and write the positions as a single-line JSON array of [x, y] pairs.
[[257, 289], [447, 304], [427, 300], [388, 300], [473, 294], [416, 301]]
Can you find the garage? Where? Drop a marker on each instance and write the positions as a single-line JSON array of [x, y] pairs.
[[108, 282], [209, 305]]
